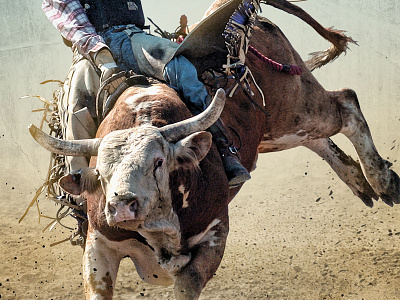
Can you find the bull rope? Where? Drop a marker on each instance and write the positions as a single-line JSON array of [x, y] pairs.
[[237, 36]]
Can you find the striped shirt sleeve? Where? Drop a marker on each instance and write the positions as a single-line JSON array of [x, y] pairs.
[[69, 17]]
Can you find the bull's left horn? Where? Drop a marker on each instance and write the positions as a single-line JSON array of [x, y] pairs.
[[179, 130], [87, 147]]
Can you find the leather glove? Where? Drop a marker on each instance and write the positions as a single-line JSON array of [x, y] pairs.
[[106, 63]]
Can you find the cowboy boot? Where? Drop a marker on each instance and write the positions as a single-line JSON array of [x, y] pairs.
[[234, 170]]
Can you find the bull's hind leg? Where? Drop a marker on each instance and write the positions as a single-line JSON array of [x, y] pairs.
[[385, 182], [348, 170], [206, 256]]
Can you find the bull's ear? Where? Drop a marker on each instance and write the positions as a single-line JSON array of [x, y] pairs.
[[78, 181], [71, 183], [192, 149]]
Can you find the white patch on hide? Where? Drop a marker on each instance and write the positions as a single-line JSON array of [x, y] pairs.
[[285, 142], [153, 90], [205, 236], [181, 189]]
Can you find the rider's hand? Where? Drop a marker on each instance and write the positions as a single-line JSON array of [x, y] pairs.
[[106, 63]]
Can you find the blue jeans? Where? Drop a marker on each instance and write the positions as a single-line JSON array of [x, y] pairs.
[[179, 73]]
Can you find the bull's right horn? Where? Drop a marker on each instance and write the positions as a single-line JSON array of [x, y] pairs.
[[87, 147], [176, 131]]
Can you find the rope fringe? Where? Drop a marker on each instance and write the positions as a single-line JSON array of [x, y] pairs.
[[56, 170]]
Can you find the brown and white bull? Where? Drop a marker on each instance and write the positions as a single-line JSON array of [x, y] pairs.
[[151, 194], [161, 197]]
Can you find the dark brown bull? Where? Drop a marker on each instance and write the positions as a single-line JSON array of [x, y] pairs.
[[185, 245]]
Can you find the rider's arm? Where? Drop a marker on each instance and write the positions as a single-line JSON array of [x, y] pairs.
[[69, 17]]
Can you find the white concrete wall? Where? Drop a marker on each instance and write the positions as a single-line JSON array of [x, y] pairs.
[[31, 51]]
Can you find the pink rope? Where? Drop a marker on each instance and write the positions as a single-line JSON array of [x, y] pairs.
[[290, 69]]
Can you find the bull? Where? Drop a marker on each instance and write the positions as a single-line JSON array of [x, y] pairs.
[[156, 190]]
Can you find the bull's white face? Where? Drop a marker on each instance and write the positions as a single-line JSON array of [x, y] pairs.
[[134, 171], [134, 167]]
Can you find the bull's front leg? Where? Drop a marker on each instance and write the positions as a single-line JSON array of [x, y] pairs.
[[348, 170], [383, 180], [207, 250], [100, 266]]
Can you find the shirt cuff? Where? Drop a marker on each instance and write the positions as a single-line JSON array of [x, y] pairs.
[[89, 45]]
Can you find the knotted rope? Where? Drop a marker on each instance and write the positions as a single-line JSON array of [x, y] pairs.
[[289, 69]]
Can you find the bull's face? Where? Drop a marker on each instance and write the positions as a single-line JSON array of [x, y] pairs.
[[134, 167]]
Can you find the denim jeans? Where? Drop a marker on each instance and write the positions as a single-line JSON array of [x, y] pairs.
[[179, 73]]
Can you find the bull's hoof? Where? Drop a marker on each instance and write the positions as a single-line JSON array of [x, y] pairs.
[[362, 189], [393, 194], [368, 201], [365, 192]]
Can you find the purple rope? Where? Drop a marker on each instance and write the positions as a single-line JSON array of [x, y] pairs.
[[290, 69]]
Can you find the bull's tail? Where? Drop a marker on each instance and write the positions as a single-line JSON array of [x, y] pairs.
[[338, 39]]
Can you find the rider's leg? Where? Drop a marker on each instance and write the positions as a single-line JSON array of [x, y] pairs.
[[181, 74], [77, 107]]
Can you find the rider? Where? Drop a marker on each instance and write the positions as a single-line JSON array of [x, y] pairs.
[[108, 38]]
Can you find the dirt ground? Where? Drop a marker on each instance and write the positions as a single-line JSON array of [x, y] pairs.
[[297, 232]]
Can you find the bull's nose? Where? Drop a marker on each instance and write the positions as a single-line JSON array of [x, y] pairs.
[[122, 210], [113, 207]]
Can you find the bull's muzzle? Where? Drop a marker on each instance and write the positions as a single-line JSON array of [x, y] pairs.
[[122, 211]]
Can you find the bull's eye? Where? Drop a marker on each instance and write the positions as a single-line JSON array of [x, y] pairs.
[[159, 163]]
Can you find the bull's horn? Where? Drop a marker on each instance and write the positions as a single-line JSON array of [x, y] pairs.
[[175, 132], [65, 147]]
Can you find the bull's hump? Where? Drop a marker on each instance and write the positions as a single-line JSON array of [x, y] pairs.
[[144, 111], [143, 94], [143, 102], [153, 105]]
